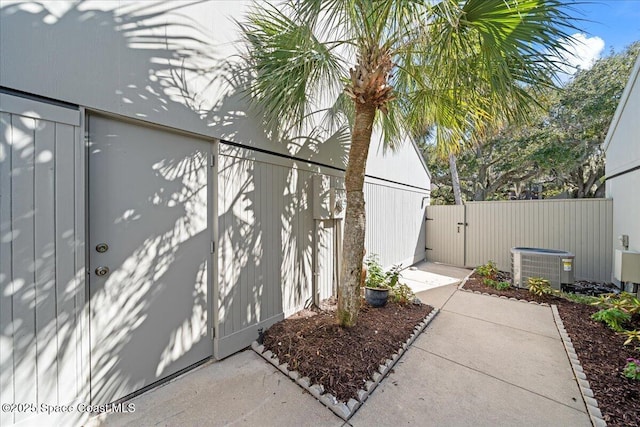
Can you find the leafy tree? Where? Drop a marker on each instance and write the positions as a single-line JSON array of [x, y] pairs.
[[453, 64], [559, 148], [581, 118]]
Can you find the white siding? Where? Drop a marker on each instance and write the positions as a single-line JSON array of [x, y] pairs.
[[172, 63], [328, 247], [395, 222], [166, 63], [266, 241], [43, 334], [622, 147]]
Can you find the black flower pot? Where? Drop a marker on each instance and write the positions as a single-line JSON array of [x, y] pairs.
[[376, 297]]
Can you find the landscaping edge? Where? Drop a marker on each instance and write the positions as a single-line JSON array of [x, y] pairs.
[[595, 415], [346, 410], [461, 288]]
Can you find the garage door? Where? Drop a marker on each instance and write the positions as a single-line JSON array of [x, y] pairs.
[[149, 254]]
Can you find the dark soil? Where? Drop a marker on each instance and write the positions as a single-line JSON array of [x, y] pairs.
[[600, 350], [342, 359]]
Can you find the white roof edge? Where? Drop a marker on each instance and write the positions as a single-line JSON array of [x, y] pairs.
[[421, 157], [623, 102]]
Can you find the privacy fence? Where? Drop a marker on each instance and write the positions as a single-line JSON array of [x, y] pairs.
[[471, 234]]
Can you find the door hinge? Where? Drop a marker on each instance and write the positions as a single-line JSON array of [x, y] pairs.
[[212, 160], [213, 332], [213, 246], [428, 219], [428, 249]]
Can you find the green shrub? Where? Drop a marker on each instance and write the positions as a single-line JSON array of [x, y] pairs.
[[627, 302], [376, 277], [539, 286], [488, 270], [402, 294], [489, 282], [632, 369], [604, 301], [393, 275], [631, 336], [613, 317], [501, 286], [580, 299]]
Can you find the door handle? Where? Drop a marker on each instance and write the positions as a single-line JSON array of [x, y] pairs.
[[102, 271]]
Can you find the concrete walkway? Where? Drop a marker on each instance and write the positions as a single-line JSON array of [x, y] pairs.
[[482, 362]]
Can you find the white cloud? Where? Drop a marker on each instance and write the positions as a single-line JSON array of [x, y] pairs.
[[582, 53]]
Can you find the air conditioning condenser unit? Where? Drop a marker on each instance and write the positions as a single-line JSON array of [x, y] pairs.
[[554, 265]]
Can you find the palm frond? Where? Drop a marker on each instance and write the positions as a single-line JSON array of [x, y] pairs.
[[295, 71]]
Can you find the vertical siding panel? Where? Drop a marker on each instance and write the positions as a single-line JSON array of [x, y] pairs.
[[6, 271], [278, 249], [269, 242], [258, 289], [65, 261], [599, 243], [82, 308], [303, 239], [244, 189], [609, 239], [45, 315], [223, 272], [22, 154], [262, 283], [229, 268], [250, 200], [283, 272], [221, 242], [238, 229], [602, 243], [577, 226]]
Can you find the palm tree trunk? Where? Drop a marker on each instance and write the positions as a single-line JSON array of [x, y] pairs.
[[455, 179], [354, 222]]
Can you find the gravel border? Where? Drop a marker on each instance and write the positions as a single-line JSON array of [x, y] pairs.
[[345, 410], [461, 285], [461, 288], [585, 389]]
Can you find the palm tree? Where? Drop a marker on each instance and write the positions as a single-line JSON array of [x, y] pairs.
[[455, 65]]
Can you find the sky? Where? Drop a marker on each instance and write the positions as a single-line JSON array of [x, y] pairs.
[[605, 25]]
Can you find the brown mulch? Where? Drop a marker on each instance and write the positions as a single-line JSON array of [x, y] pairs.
[[343, 359], [600, 350]]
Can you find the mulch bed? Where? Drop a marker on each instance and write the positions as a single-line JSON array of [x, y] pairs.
[[600, 350], [343, 359]]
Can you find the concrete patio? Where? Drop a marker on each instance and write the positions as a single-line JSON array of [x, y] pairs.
[[482, 362]]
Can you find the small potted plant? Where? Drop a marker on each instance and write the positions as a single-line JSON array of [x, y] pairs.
[[378, 283]]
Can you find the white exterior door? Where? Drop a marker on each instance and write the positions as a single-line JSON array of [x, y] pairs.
[[150, 254]]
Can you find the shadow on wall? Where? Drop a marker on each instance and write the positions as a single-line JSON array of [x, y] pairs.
[[265, 222], [265, 219]]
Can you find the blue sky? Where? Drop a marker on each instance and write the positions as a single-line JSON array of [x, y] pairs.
[[603, 25], [616, 22]]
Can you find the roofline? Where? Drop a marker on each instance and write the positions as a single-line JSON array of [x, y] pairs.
[[622, 104], [421, 157]]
